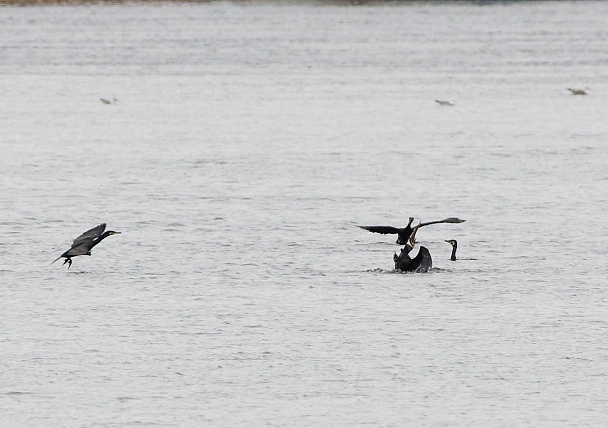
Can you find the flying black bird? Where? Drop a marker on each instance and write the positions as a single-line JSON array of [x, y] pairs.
[[85, 243], [423, 262], [403, 234]]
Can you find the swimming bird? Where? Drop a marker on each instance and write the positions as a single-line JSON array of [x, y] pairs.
[[423, 262], [579, 91], [85, 243], [454, 245], [403, 234], [450, 102]]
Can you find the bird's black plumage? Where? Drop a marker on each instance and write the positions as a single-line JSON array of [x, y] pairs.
[[403, 234], [423, 261], [85, 243]]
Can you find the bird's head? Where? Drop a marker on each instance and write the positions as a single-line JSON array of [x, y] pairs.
[[111, 232], [452, 242], [411, 220], [396, 260]]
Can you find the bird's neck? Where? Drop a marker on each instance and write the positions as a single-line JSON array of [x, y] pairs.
[[101, 238], [454, 252]]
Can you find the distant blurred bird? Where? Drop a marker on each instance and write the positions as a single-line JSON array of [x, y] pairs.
[[103, 100], [450, 102], [579, 91], [85, 243]]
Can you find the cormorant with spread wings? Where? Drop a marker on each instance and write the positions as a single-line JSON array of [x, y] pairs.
[[85, 243]]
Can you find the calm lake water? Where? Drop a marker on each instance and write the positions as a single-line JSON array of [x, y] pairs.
[[247, 142]]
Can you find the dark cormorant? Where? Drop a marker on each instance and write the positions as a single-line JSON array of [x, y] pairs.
[[85, 242], [403, 234], [454, 245], [423, 262]]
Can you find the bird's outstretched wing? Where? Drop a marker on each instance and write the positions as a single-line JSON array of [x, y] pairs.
[[381, 229], [89, 235], [412, 238], [445, 220], [426, 261]]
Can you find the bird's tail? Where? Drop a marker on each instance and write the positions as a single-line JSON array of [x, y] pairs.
[[56, 260]]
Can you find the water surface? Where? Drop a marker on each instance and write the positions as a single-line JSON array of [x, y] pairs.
[[246, 143]]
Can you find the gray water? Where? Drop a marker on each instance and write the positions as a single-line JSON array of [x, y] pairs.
[[246, 144]]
